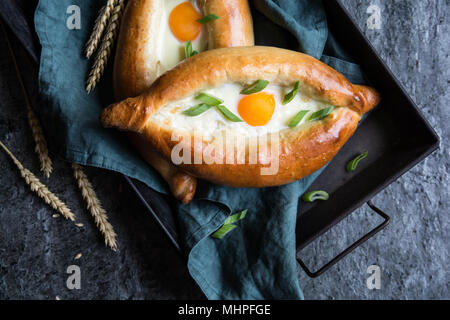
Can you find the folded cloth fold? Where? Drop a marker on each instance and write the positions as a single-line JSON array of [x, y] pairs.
[[256, 260]]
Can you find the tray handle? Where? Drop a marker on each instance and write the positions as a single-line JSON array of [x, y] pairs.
[[332, 262]]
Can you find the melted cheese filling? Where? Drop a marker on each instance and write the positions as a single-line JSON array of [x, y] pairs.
[[170, 49], [212, 121]]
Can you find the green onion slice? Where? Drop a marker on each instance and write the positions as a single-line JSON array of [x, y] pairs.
[[208, 99], [351, 166], [236, 217], [228, 224], [315, 195], [296, 120], [196, 110], [228, 114], [208, 18], [291, 95], [258, 86], [188, 52], [321, 114], [219, 234]]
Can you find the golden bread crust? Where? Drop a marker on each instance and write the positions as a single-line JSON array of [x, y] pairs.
[[135, 61], [303, 150], [234, 28], [181, 185]]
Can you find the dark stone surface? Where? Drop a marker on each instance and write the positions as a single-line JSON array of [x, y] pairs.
[[36, 249]]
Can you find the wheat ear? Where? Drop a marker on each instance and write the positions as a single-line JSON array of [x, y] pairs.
[[40, 143], [99, 27], [101, 59], [95, 207], [42, 191], [33, 121]]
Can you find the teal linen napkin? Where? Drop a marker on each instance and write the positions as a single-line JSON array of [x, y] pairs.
[[256, 260]]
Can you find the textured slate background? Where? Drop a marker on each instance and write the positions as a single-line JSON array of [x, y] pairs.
[[413, 252]]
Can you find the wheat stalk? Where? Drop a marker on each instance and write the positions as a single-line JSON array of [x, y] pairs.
[[33, 121], [40, 143], [97, 32], [95, 207], [41, 190], [99, 27], [101, 59]]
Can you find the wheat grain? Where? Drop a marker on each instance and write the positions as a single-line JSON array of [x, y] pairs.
[[99, 27], [101, 59], [33, 121], [41, 190], [40, 143], [78, 256], [95, 207], [97, 32]]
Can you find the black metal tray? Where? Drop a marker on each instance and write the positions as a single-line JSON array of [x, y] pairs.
[[396, 135]]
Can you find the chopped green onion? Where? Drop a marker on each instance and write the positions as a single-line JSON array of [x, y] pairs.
[[315, 195], [208, 18], [296, 120], [196, 110], [321, 114], [228, 224], [228, 114], [188, 52], [351, 166], [236, 217], [208, 99], [255, 87], [291, 95], [219, 234]]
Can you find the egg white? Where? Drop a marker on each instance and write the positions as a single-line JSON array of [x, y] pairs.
[[212, 121], [170, 49]]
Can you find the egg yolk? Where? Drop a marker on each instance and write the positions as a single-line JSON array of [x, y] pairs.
[[182, 22], [257, 109]]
